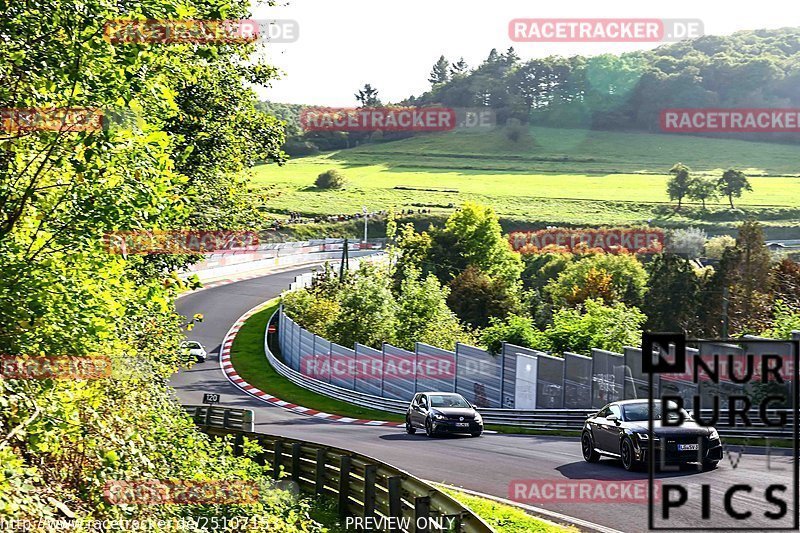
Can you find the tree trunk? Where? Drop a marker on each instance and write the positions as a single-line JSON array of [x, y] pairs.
[[730, 199]]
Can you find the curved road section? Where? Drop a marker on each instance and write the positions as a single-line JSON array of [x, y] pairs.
[[492, 464]]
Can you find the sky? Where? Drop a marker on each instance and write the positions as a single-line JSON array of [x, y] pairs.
[[343, 44]]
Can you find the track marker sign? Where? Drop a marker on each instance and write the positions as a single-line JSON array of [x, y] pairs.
[[210, 398], [745, 385]]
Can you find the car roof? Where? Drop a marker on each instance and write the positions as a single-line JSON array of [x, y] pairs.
[[440, 393], [630, 402]]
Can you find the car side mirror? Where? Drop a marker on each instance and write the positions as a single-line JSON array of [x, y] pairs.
[[613, 418], [474, 406]]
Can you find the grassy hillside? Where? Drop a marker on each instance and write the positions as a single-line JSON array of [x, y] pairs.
[[548, 176]]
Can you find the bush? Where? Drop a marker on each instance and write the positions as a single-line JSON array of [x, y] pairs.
[[331, 179], [612, 278], [475, 298], [516, 330], [595, 325], [716, 246], [300, 148]]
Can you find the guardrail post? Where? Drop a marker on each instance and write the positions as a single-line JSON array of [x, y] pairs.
[[319, 475], [276, 460], [225, 415], [247, 421], [422, 509], [395, 492], [296, 461], [370, 474], [238, 445], [344, 484], [208, 416]]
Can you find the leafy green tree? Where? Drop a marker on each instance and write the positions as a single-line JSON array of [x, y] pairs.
[[786, 320], [612, 278], [675, 299], [368, 96], [313, 311], [413, 249], [439, 72], [732, 184], [595, 325], [475, 298], [473, 236], [423, 315], [702, 189], [715, 246], [678, 186], [368, 310], [515, 329], [459, 68]]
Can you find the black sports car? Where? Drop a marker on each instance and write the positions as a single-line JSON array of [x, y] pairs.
[[442, 412], [619, 430]]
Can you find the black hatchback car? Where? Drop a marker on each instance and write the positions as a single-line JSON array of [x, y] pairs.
[[443, 412], [619, 430]]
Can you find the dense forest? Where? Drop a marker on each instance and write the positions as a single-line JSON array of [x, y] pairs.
[[619, 92]]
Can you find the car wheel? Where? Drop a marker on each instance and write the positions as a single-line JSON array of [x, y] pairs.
[[626, 454], [709, 465], [429, 429], [409, 428], [476, 433], [587, 446]]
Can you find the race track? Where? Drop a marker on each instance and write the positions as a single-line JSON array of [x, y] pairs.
[[487, 464]]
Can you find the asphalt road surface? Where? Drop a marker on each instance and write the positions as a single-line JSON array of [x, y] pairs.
[[491, 463]]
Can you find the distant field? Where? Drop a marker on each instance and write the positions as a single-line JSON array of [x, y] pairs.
[[552, 176]]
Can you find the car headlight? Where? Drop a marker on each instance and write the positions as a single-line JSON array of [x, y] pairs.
[[438, 416], [643, 436], [478, 418], [713, 435]]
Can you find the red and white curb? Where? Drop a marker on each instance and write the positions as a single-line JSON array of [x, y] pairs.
[[227, 369]]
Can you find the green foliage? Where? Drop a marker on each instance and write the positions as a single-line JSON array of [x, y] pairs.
[[331, 179], [312, 309], [614, 278], [412, 250], [475, 297], [733, 183], [675, 298], [680, 184], [472, 236], [368, 310], [715, 246], [515, 329], [785, 321], [595, 325], [702, 189], [423, 315]]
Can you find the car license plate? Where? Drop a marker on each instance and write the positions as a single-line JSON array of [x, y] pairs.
[[688, 447], [462, 424]]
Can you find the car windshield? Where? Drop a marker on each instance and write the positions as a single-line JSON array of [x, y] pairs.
[[192, 345], [638, 412], [448, 400]]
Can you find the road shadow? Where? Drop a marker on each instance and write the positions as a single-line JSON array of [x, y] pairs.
[[422, 437], [612, 469]]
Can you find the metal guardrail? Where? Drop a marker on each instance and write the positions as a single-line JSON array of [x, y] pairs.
[[361, 485], [537, 419], [221, 417]]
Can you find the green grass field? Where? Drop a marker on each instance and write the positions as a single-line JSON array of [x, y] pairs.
[[550, 176]]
